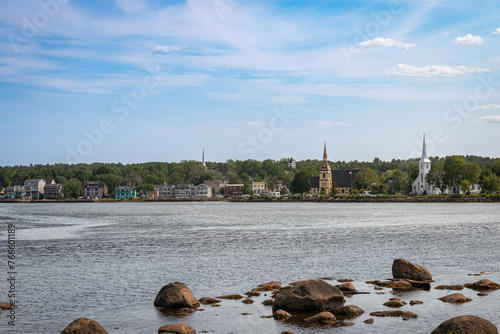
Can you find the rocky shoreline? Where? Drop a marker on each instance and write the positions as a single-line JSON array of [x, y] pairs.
[[319, 304]]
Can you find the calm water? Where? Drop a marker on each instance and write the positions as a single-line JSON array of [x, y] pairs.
[[107, 261]]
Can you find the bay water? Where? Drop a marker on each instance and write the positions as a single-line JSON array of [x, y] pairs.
[[107, 261]]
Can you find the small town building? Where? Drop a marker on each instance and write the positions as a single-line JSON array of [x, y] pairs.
[[14, 192], [125, 192], [201, 191], [216, 185], [292, 163], [234, 190], [53, 190], [258, 188], [93, 189], [34, 188]]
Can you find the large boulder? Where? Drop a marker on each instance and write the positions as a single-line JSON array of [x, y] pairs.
[[176, 329], [407, 270], [310, 296], [84, 326], [176, 295], [466, 324]]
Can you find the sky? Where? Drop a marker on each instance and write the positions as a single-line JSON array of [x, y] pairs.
[[135, 81]]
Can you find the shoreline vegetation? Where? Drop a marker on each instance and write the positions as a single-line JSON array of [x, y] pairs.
[[487, 198]]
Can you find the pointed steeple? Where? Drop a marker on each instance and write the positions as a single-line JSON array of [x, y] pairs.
[[203, 158], [325, 165], [424, 157]]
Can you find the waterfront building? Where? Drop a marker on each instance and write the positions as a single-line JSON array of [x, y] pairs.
[[34, 188], [234, 190], [53, 190], [14, 192], [125, 192], [216, 185], [258, 187], [93, 189]]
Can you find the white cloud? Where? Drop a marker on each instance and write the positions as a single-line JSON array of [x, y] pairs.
[[496, 32], [249, 124], [491, 119], [468, 40], [488, 107], [165, 49], [132, 6], [388, 42], [329, 124], [433, 70]]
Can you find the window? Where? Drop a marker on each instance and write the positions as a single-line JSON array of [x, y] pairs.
[[421, 177]]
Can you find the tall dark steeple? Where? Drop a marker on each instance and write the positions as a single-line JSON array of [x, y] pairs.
[[325, 166]]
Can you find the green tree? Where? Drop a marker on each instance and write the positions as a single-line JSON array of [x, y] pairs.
[[146, 188], [435, 176], [301, 182], [465, 186], [111, 181], [491, 183], [454, 170], [333, 190], [366, 178], [73, 188]]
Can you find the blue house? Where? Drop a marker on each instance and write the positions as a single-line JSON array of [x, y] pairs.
[[124, 192]]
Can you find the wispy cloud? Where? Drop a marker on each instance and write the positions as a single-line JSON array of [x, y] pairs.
[[468, 40], [386, 42], [249, 124], [496, 32], [223, 96], [433, 70], [491, 119], [132, 6], [165, 49], [329, 124], [487, 107]]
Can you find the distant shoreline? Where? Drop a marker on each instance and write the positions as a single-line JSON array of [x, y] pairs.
[[359, 199]]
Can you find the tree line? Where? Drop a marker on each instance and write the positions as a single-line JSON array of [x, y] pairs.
[[377, 176]]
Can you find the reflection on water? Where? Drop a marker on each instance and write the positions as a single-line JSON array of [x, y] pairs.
[[107, 261]]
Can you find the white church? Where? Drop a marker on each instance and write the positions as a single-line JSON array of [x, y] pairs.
[[420, 185]]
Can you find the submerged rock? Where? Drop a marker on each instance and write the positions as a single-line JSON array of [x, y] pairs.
[[449, 287], [281, 315], [348, 311], [84, 326], [310, 295], [416, 302], [323, 317], [402, 268], [455, 298], [395, 302], [269, 286], [466, 324], [176, 329], [233, 297], [484, 284], [395, 313], [209, 301], [174, 296], [268, 302]]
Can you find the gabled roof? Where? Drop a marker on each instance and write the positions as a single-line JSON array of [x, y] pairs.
[[342, 178]]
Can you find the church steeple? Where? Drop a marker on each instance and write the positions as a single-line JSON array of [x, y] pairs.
[[203, 158], [424, 157], [325, 166]]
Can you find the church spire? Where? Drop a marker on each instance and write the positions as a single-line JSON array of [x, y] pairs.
[[424, 157], [325, 165], [203, 158]]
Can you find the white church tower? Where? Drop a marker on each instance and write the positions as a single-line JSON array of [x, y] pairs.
[[420, 185]]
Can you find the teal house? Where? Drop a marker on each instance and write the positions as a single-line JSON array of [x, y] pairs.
[[125, 192]]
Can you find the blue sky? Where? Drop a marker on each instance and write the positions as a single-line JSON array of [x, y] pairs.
[[136, 80]]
